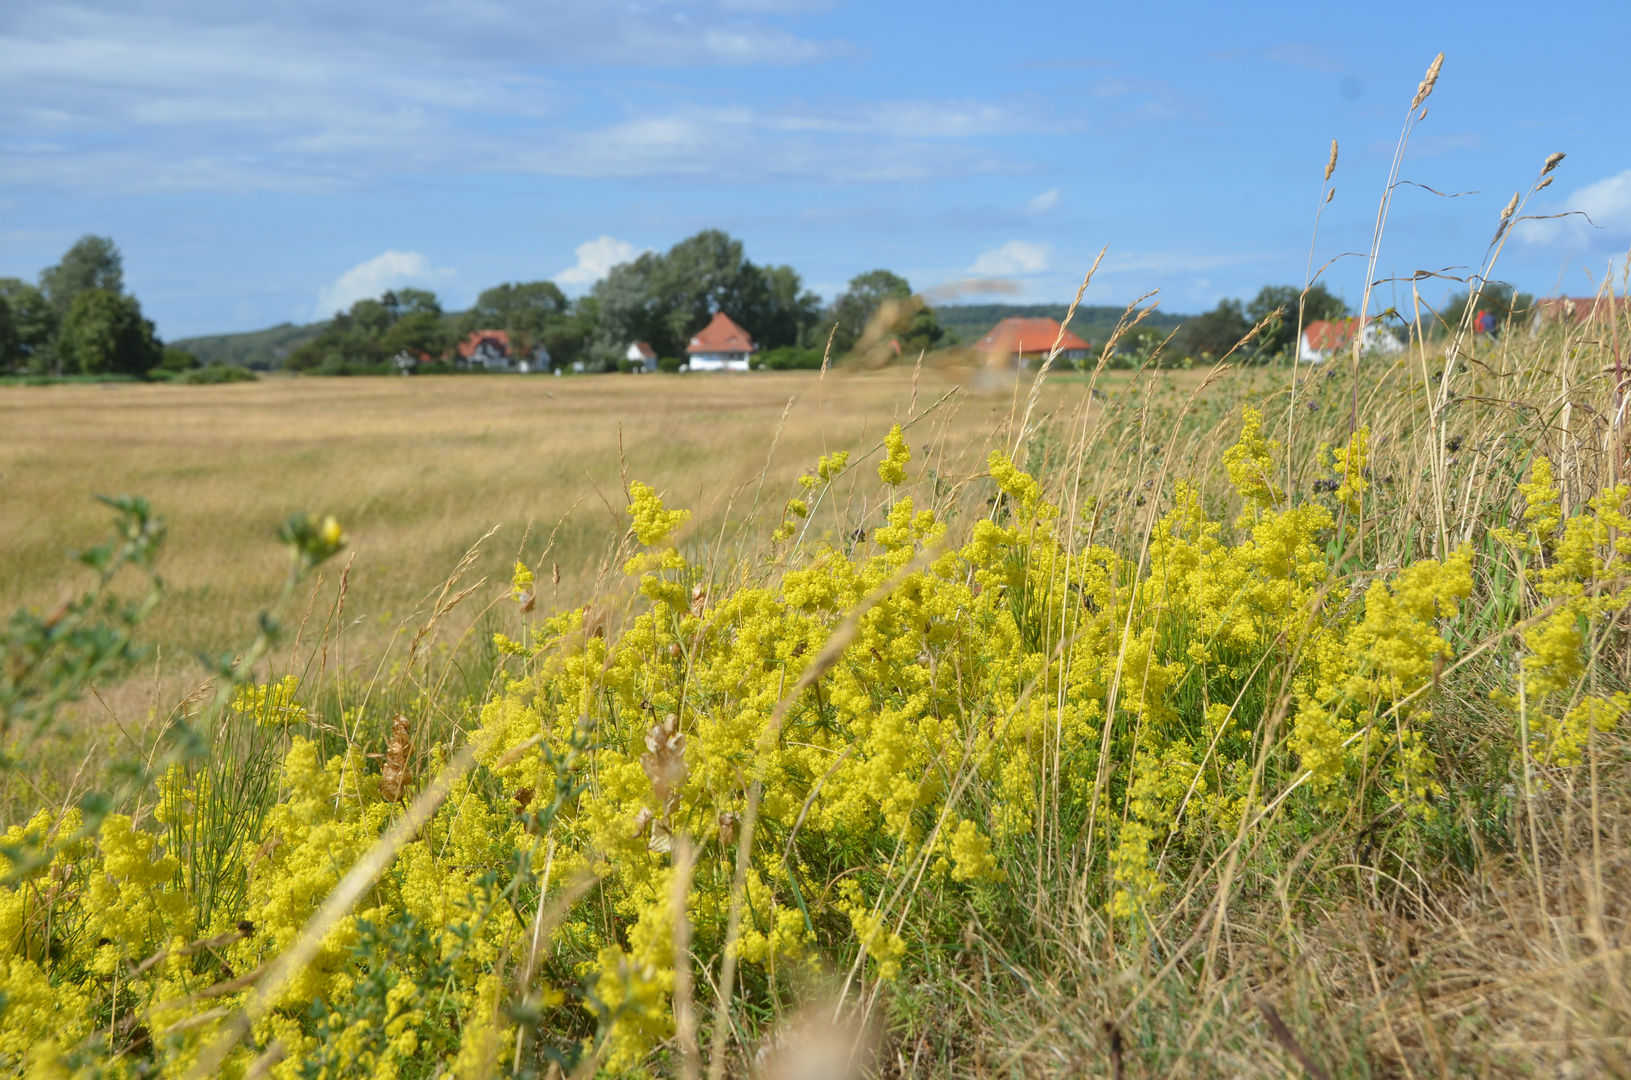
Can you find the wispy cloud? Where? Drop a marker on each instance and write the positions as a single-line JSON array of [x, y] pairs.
[[884, 143], [187, 95], [1014, 257], [1606, 206], [1044, 202], [595, 259], [107, 99], [387, 270]]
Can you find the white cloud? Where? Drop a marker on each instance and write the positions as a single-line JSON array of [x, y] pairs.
[[1043, 202], [1014, 257], [595, 258], [1607, 203], [226, 95], [369, 279]]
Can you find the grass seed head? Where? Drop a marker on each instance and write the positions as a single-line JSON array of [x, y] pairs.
[[1428, 81], [664, 761], [1331, 166], [394, 773]]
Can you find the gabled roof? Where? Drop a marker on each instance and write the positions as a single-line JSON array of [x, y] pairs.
[[721, 336], [1022, 335], [468, 346], [646, 351], [1326, 334]]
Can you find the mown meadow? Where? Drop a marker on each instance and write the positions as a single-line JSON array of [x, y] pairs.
[[1266, 722]]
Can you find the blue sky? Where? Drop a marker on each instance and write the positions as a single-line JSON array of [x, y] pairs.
[[266, 162]]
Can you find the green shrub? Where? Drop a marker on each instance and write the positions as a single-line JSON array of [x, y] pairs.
[[216, 373], [790, 358]]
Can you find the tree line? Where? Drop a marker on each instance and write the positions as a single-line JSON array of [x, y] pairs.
[[661, 298], [1212, 335], [79, 320]]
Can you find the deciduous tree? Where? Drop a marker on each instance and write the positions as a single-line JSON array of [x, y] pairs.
[[665, 298], [104, 333], [93, 262]]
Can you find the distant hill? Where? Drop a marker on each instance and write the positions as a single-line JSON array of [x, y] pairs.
[[260, 349], [969, 322]]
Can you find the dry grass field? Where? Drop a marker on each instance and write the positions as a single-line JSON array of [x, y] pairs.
[[417, 470]]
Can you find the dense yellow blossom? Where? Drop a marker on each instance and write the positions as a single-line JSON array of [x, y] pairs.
[[1016, 676], [892, 470]]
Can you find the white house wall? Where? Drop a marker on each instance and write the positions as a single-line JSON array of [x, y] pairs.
[[719, 362]]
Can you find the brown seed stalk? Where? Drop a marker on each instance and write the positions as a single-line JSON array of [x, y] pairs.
[[1428, 81], [394, 774]]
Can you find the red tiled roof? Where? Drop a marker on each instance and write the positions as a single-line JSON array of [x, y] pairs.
[[1019, 335], [646, 351], [1584, 307], [721, 335], [1326, 334], [498, 337]]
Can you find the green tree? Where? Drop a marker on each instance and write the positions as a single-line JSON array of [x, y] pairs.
[[1278, 337], [371, 318], [519, 308], [33, 326], [915, 324], [104, 333], [366, 337], [1210, 336], [92, 263], [664, 299], [416, 302], [10, 354], [1496, 297], [418, 332], [853, 308], [792, 315]]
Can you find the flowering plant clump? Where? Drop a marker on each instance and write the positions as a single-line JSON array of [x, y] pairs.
[[805, 768]]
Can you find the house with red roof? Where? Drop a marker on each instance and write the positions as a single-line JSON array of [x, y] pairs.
[[720, 346], [1028, 339], [1325, 338], [493, 350], [642, 354], [486, 348]]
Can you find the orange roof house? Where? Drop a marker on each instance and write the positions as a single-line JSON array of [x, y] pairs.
[[1032, 339], [485, 348], [1324, 338], [720, 346]]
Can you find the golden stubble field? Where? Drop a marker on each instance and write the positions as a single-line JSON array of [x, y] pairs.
[[417, 470]]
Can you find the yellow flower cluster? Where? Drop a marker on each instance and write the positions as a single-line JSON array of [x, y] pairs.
[[986, 686], [1580, 574], [892, 470]]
